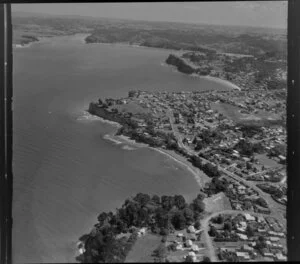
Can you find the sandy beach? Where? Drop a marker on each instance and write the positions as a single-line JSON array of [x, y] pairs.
[[200, 177], [222, 81]]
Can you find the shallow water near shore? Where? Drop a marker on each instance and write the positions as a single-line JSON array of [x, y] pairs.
[[65, 171]]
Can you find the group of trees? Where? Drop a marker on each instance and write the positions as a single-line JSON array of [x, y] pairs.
[[249, 130], [273, 190], [279, 149], [209, 169], [160, 214], [207, 137], [180, 64], [228, 256], [247, 148], [217, 185]]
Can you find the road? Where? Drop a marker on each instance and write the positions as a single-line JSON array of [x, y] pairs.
[[267, 170], [277, 210]]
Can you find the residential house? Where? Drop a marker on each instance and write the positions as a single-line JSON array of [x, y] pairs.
[[280, 257], [247, 248], [268, 254], [195, 248], [242, 236], [243, 255], [274, 239], [249, 217], [188, 243]]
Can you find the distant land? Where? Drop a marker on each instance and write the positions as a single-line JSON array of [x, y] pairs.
[[168, 35]]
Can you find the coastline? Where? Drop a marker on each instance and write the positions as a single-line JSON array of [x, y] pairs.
[[124, 44], [207, 77], [222, 81], [199, 176], [21, 46], [81, 37]]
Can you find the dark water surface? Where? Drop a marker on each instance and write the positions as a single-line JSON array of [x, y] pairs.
[[65, 172]]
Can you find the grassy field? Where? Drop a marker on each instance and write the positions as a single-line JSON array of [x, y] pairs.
[[262, 118], [143, 249], [227, 110], [268, 163], [132, 108], [216, 203]]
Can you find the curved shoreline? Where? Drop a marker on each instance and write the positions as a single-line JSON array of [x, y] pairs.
[[199, 176], [222, 81]]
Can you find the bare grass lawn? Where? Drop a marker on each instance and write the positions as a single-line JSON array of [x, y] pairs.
[[217, 203], [143, 249]]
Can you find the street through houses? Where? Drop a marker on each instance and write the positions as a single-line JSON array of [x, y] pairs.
[[277, 210]]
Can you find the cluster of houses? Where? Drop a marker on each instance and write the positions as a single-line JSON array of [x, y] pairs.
[[244, 198], [187, 242], [268, 228], [193, 114], [216, 66], [278, 191]]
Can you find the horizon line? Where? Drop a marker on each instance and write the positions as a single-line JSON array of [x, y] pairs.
[[149, 21]]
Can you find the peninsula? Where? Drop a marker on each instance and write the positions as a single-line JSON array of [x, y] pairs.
[[232, 136], [237, 137]]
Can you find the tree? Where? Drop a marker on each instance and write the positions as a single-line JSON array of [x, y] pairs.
[[167, 202], [155, 198], [189, 259], [220, 219], [247, 205], [164, 239], [179, 201], [102, 217], [198, 205], [172, 247], [262, 202], [213, 231], [178, 220], [197, 225], [160, 252], [206, 259], [164, 232], [196, 161], [201, 196], [248, 166], [142, 198], [132, 93], [228, 226], [199, 145], [155, 229], [188, 214], [261, 243], [250, 231]]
